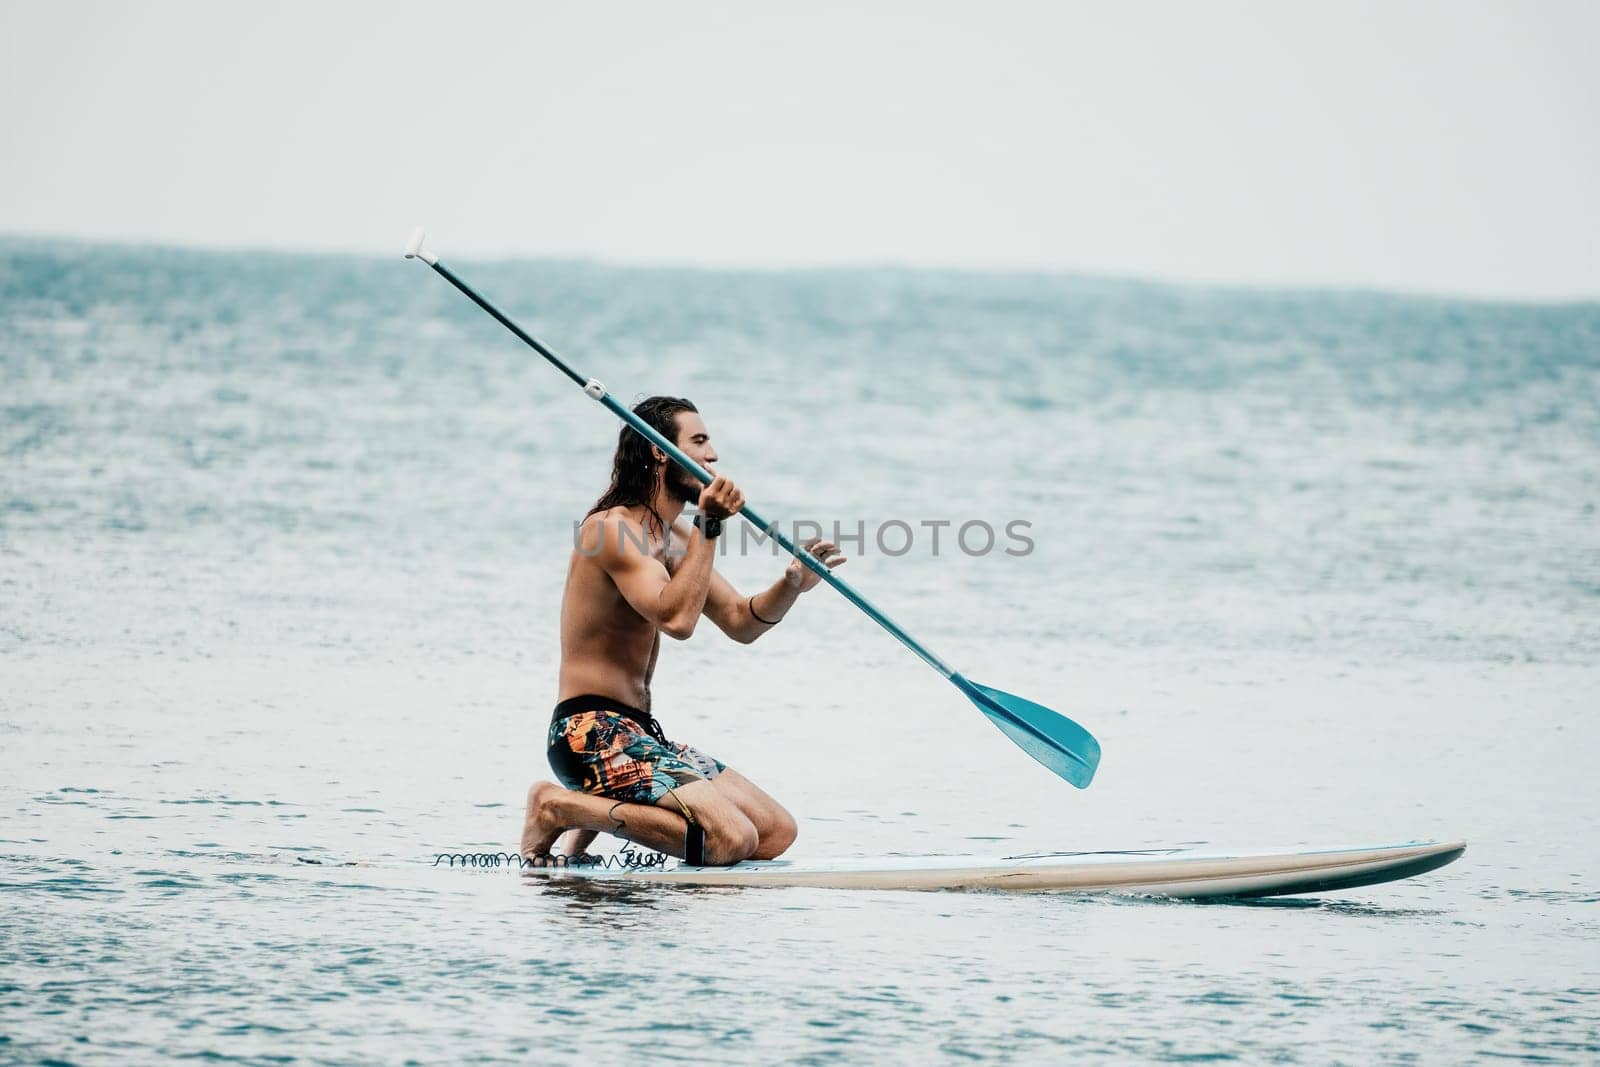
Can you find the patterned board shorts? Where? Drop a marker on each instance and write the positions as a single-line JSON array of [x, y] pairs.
[[610, 753]]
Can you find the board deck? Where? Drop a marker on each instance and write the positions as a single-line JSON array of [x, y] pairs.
[[1176, 872]]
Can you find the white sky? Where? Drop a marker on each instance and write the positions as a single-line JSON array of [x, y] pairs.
[[1434, 146]]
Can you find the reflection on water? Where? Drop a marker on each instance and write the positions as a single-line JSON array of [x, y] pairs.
[[584, 892]]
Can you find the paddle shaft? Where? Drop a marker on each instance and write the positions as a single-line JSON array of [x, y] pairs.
[[598, 392]]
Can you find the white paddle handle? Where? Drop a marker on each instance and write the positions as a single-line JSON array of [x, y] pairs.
[[414, 249]]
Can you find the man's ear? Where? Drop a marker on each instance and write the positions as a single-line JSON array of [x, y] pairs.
[[657, 455]]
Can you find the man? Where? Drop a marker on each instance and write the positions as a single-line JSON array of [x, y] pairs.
[[638, 571]]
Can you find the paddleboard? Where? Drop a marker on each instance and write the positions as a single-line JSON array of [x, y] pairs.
[[1187, 873]]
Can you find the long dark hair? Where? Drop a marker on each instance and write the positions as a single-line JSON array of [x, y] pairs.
[[633, 469]]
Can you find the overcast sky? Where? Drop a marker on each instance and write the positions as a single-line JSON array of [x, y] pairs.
[[1449, 147]]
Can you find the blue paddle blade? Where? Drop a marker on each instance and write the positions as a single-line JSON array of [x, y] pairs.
[[1048, 736]]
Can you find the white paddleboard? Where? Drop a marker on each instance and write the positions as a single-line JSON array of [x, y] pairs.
[[1178, 872]]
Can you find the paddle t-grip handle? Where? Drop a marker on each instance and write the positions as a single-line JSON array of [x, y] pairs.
[[414, 249]]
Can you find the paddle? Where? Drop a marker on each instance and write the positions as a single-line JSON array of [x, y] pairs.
[[1048, 736]]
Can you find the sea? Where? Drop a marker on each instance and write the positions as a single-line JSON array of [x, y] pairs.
[[282, 544]]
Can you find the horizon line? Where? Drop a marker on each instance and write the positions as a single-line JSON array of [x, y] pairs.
[[1153, 279]]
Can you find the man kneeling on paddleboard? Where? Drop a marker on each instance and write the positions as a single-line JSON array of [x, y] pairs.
[[638, 571]]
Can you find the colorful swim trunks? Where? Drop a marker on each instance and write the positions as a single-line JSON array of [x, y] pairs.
[[599, 745]]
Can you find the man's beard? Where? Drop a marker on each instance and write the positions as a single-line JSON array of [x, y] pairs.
[[680, 486]]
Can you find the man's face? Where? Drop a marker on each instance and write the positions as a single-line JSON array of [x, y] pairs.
[[695, 441]]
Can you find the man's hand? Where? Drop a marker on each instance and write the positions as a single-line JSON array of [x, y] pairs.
[[801, 577], [721, 499]]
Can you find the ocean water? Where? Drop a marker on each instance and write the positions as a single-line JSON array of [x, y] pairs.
[[282, 541]]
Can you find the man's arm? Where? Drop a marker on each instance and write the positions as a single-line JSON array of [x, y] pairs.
[[672, 602], [746, 618]]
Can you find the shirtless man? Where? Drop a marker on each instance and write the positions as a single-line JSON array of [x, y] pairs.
[[636, 572]]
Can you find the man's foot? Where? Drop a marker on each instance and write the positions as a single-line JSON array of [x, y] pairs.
[[540, 826], [576, 843]]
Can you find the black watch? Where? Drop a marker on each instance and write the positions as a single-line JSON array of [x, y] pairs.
[[708, 526]]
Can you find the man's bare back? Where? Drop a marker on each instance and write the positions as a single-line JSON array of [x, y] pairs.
[[638, 571], [606, 646]]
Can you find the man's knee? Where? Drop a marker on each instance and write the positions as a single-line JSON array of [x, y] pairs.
[[778, 836], [729, 835], [730, 839]]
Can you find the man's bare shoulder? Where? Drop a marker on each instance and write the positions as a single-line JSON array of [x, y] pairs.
[[610, 534]]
